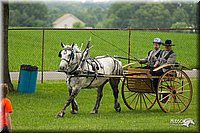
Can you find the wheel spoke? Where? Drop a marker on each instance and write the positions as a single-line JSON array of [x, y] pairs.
[[174, 103], [140, 102], [148, 99], [136, 102], [170, 81], [181, 87], [166, 102], [178, 106], [133, 99], [165, 86], [185, 97], [131, 95], [166, 83], [183, 91], [170, 106], [144, 102], [165, 97], [181, 101], [174, 77], [163, 92]]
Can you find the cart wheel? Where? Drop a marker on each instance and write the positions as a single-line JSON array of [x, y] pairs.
[[137, 100], [174, 92]]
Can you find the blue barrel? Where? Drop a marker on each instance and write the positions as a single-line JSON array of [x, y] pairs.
[[27, 78]]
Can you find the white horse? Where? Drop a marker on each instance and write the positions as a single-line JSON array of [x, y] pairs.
[[85, 72]]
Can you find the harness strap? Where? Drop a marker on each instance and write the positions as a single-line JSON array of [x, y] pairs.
[[91, 81], [74, 70], [116, 68]]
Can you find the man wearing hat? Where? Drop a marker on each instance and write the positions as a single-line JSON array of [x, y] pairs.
[[152, 55], [167, 56]]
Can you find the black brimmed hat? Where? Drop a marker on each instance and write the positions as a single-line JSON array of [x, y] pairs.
[[168, 43]]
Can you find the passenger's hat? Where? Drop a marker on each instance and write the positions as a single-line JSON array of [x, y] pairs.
[[168, 43], [157, 40]]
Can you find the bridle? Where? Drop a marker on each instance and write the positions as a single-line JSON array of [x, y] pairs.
[[70, 59]]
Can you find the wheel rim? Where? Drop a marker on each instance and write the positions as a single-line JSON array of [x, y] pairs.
[[174, 92], [137, 100]]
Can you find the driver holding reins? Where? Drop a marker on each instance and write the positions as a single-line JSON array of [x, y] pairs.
[[152, 55]]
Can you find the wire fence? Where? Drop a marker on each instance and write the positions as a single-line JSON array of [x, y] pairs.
[[40, 46]]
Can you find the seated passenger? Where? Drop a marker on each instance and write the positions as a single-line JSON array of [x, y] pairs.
[[152, 55], [167, 56]]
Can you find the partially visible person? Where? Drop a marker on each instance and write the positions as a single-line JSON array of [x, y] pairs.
[[152, 55], [6, 109], [167, 56]]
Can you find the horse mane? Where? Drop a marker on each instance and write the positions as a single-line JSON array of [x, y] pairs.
[[76, 48]]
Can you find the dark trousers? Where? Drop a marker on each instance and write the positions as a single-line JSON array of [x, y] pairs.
[[156, 73], [5, 129]]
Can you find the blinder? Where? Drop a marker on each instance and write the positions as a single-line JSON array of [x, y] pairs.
[[59, 54], [71, 56]]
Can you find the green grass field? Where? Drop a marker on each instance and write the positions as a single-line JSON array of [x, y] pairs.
[[36, 112], [25, 46]]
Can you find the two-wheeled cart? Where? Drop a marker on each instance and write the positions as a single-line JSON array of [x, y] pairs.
[[172, 90]]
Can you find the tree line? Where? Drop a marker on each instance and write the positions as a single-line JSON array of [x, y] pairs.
[[106, 15]]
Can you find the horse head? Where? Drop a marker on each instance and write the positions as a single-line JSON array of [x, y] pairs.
[[69, 57]]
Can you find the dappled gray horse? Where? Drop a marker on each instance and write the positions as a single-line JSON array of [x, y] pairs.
[[93, 70]]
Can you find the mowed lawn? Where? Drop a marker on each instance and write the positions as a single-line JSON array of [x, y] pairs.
[[25, 46], [36, 112]]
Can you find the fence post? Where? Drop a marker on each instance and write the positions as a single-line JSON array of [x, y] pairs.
[[42, 70], [129, 44]]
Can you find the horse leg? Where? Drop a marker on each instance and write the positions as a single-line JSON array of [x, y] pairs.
[[114, 84], [99, 97], [73, 103], [69, 100]]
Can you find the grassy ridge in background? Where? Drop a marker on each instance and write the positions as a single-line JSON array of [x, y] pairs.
[[37, 112], [25, 46]]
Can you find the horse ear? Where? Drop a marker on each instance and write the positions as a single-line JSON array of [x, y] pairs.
[[59, 54], [73, 45], [62, 45]]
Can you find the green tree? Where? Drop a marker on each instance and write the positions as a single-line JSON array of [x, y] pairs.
[[119, 15], [151, 16], [193, 15], [28, 14], [180, 15], [78, 25]]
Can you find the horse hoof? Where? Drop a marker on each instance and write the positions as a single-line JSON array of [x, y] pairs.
[[118, 109], [60, 115], [94, 112], [74, 112]]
